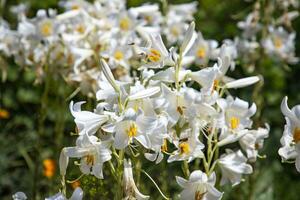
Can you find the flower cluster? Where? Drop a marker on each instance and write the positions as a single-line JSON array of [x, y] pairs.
[[271, 32], [160, 114], [164, 102], [68, 43]]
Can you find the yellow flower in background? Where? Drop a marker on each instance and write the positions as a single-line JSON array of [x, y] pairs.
[[4, 114], [49, 168]]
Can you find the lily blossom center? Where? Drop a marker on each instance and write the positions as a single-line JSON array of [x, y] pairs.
[[234, 122], [278, 42], [184, 148], [199, 195], [125, 24], [296, 135], [89, 159], [201, 53], [215, 85], [80, 28], [46, 29], [164, 147], [154, 55], [118, 55], [132, 131]]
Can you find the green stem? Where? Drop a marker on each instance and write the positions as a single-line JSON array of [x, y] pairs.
[[186, 169], [162, 194]]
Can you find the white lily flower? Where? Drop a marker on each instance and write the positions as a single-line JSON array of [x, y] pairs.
[[80, 55], [86, 121], [130, 189], [118, 54], [234, 119], [93, 155], [253, 141], [207, 78], [157, 56], [185, 10], [199, 186], [203, 50], [250, 26], [150, 14], [77, 195], [290, 140], [281, 44], [188, 146], [19, 196], [133, 126], [158, 140], [233, 165]]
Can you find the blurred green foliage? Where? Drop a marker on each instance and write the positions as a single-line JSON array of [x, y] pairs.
[[26, 138]]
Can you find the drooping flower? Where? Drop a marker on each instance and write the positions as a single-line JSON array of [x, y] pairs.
[[92, 153], [19, 196], [290, 139], [77, 195], [199, 186], [130, 189], [253, 140], [86, 121], [233, 165]]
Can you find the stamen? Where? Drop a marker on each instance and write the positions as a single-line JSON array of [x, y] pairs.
[[296, 135], [154, 55], [184, 148], [278, 42], [118, 55], [164, 147], [234, 122], [90, 159], [201, 52], [132, 131], [46, 29], [199, 195], [125, 24]]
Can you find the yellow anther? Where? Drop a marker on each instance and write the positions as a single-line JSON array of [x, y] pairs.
[[154, 55], [296, 135], [184, 148], [175, 31], [118, 55], [234, 122], [46, 28], [125, 24], [80, 28], [132, 131], [199, 195], [216, 84], [278, 42], [75, 7], [90, 159], [201, 52], [164, 147]]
